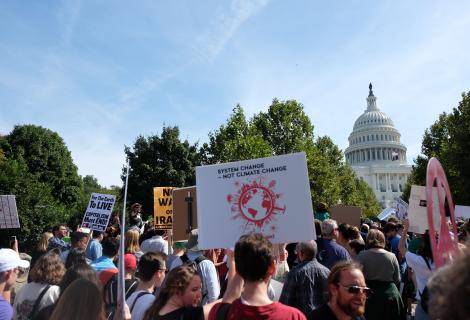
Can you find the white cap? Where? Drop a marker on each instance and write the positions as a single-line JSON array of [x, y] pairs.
[[9, 260]]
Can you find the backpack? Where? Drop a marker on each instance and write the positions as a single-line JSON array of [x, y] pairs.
[[424, 302], [185, 259], [110, 294]]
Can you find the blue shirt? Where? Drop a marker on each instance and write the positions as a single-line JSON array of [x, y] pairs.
[[55, 242], [6, 310], [103, 263], [94, 250], [331, 252]]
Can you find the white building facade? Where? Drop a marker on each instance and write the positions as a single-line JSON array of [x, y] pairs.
[[376, 154]]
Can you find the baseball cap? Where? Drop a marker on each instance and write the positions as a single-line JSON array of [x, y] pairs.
[[130, 262], [9, 260]]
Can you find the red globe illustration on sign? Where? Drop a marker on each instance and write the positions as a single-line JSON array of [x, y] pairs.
[[256, 203]]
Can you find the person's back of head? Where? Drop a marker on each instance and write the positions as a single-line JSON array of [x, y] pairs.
[[48, 269], [131, 241], [75, 256], [150, 263], [82, 300], [307, 249], [254, 257], [78, 271], [98, 235], [328, 227], [375, 239], [44, 242], [76, 237], [110, 247]]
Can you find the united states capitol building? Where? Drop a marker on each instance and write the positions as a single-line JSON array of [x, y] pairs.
[[376, 154]]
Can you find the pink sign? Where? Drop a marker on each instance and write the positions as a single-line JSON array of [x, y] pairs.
[[445, 247]]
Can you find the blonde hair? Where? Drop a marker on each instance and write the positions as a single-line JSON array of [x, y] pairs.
[[131, 241], [375, 239], [44, 242]]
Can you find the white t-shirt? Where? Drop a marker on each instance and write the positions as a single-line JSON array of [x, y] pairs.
[[26, 297], [421, 270], [141, 305]]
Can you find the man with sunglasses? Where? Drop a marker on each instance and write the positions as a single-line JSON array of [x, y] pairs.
[[348, 294]]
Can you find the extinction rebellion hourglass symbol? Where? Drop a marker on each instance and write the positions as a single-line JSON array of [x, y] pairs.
[[255, 203]]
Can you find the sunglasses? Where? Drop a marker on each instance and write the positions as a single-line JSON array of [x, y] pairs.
[[357, 289]]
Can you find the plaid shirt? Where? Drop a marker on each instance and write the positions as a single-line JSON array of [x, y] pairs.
[[306, 287]]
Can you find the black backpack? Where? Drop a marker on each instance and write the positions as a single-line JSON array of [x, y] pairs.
[[196, 266]]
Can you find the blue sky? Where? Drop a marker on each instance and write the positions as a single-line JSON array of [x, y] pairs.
[[102, 72]]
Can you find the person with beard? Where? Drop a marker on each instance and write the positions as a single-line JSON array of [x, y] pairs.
[[348, 294]]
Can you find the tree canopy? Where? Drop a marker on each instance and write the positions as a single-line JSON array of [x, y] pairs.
[[448, 140]]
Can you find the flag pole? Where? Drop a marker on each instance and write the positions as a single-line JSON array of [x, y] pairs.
[[121, 283]]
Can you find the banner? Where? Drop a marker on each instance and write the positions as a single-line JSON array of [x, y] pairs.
[[163, 208], [99, 211], [417, 212], [346, 214], [8, 212], [182, 198], [402, 209], [269, 195]]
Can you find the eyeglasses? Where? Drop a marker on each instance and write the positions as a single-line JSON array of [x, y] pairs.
[[358, 289]]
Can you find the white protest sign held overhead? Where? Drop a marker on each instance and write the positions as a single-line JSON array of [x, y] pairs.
[[462, 212], [402, 209], [268, 195], [99, 211], [8, 212], [417, 212]]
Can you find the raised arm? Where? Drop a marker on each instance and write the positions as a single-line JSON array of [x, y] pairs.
[[401, 244]]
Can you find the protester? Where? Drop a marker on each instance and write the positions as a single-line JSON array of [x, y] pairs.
[[382, 275], [41, 247], [330, 251], [255, 264], [75, 256], [180, 298], [9, 262], [392, 235], [22, 276], [78, 241], [80, 301], [156, 243], [179, 248], [135, 218], [347, 294], [305, 287], [95, 249], [422, 265], [152, 268], [449, 290], [321, 212], [356, 247], [110, 251], [43, 290], [110, 289], [57, 241], [78, 271], [132, 243], [205, 267]]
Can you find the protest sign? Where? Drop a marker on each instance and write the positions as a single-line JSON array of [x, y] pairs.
[[182, 197], [8, 212], [386, 213], [417, 213], [98, 212], [346, 214], [269, 196], [163, 208], [462, 212], [402, 209]]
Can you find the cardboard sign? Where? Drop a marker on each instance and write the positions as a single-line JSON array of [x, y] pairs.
[[402, 209], [462, 212], [417, 210], [269, 196], [163, 208], [8, 212], [346, 214], [98, 212], [180, 212]]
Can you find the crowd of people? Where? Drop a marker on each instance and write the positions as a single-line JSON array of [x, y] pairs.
[[378, 270]]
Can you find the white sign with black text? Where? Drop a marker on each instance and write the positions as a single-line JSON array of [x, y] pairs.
[[99, 211]]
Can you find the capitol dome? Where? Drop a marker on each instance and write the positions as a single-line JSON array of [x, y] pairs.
[[376, 154]]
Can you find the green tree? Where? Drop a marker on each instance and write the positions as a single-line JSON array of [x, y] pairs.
[[448, 139], [38, 169], [159, 161]]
